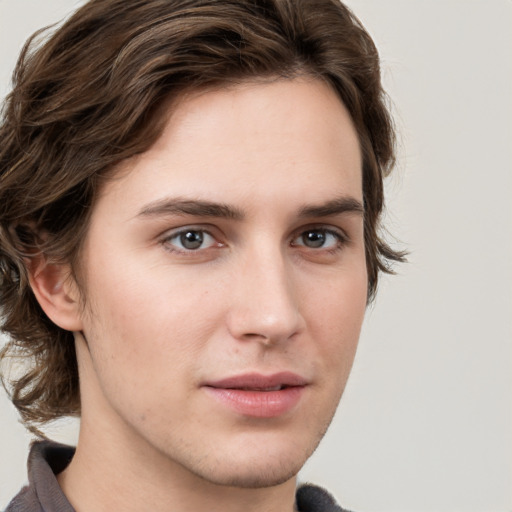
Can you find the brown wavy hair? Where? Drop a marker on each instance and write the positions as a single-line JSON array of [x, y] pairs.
[[90, 96]]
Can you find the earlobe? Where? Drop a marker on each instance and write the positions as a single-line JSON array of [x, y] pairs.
[[57, 293]]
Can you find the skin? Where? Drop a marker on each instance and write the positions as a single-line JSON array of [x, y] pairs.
[[277, 285]]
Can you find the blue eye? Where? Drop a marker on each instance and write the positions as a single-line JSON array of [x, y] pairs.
[[319, 239], [191, 240]]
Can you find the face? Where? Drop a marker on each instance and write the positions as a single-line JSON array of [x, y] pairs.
[[225, 282]]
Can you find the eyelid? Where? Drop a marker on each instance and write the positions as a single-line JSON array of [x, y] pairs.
[[170, 234], [336, 231]]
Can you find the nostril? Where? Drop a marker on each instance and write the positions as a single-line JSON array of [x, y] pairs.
[[264, 340], [253, 335]]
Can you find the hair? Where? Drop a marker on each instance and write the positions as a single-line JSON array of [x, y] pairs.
[[92, 95]]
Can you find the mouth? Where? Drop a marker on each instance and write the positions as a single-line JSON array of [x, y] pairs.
[[273, 388], [256, 395], [259, 382]]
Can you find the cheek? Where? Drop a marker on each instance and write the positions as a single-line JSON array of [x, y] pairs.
[[335, 316], [149, 316]]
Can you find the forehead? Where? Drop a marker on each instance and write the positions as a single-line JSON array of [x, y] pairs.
[[270, 139]]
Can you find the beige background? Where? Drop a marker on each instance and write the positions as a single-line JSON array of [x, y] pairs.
[[426, 421]]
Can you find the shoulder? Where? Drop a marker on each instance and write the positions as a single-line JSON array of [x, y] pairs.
[[311, 498], [25, 501], [43, 494]]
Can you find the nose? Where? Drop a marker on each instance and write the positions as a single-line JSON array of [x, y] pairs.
[[264, 304]]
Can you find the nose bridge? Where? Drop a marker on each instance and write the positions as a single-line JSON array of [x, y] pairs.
[[265, 305]]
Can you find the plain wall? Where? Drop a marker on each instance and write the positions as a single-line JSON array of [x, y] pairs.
[[426, 420]]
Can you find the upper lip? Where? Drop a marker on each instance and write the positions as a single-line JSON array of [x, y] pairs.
[[259, 381]]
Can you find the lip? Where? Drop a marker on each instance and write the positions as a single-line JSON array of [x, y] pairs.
[[257, 395]]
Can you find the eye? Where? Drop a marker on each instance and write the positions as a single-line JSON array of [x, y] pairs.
[[190, 240], [319, 238]]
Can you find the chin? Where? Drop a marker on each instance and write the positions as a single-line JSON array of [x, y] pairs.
[[261, 480], [257, 464], [250, 475]]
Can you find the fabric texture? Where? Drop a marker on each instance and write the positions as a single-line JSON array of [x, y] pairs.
[[43, 494]]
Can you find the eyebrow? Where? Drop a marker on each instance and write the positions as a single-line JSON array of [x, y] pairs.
[[198, 208], [334, 207], [201, 208]]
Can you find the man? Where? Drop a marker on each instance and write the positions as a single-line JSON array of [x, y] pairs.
[[190, 194]]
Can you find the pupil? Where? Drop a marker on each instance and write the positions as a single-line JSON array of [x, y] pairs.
[[191, 239], [314, 239]]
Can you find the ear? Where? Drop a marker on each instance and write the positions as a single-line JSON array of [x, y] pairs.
[[57, 293]]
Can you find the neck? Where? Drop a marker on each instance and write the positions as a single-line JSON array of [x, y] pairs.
[[107, 474]]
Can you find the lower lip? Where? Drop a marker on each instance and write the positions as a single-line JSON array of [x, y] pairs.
[[259, 404]]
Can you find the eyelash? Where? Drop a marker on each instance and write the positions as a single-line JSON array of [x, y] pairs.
[[169, 246], [340, 237]]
